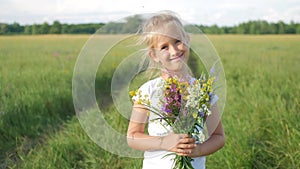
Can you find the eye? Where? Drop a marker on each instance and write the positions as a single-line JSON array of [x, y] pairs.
[[178, 41], [164, 47]]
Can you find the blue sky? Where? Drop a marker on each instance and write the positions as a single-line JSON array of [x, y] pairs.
[[220, 12]]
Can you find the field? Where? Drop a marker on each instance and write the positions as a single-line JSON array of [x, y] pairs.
[[39, 128]]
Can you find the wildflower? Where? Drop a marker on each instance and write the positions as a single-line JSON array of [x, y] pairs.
[[195, 114], [179, 102], [132, 93]]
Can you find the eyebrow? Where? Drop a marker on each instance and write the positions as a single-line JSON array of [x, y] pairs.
[[166, 42], [162, 44]]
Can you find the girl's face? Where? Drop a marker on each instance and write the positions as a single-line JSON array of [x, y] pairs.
[[171, 53]]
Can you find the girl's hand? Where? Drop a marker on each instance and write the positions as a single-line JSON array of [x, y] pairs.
[[181, 144]]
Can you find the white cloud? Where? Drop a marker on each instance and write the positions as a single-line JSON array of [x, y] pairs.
[[195, 11], [288, 15]]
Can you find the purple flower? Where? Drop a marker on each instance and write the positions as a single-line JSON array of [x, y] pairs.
[[177, 97], [178, 104], [213, 68], [173, 88], [166, 108], [201, 113]]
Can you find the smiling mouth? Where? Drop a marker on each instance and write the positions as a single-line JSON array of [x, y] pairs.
[[177, 58]]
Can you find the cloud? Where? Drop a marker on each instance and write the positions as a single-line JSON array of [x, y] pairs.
[[288, 15], [194, 11]]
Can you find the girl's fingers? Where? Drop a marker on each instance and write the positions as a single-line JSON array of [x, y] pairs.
[[181, 143], [187, 140], [184, 152], [180, 154], [186, 146]]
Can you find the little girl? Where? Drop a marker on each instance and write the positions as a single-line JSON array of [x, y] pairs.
[[168, 46]]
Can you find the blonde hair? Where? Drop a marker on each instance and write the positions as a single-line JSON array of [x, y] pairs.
[[160, 24]]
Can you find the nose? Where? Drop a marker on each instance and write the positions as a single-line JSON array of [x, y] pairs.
[[174, 50]]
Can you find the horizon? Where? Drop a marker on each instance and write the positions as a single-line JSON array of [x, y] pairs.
[[51, 23]]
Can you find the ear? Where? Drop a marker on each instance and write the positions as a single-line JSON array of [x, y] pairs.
[[153, 55]]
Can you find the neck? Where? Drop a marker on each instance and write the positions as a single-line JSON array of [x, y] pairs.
[[182, 75]]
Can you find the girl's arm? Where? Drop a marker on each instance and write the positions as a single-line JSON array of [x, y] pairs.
[[181, 144], [217, 136]]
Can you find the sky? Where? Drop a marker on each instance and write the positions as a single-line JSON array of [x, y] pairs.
[[209, 12]]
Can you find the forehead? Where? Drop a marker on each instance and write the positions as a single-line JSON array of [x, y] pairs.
[[159, 40], [167, 35]]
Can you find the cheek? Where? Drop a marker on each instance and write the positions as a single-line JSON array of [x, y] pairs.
[[183, 48], [164, 55]]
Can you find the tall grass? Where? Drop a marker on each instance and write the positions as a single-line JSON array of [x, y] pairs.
[[35, 93], [39, 129], [261, 118]]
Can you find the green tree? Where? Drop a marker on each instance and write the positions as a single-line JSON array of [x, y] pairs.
[[298, 29], [44, 28], [252, 27], [55, 28], [15, 28], [214, 29], [291, 28], [241, 28], [226, 29], [35, 29], [272, 28], [112, 28], [222, 30], [28, 30], [281, 27], [3, 29], [132, 24], [264, 27], [65, 28]]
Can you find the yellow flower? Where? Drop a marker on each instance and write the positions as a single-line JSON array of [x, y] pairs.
[[207, 97], [148, 102], [185, 97], [184, 85], [174, 80], [132, 93], [179, 89], [195, 114]]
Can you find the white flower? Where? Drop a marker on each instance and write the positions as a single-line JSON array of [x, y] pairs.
[[201, 137]]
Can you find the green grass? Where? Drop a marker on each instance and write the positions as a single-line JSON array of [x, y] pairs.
[[39, 129]]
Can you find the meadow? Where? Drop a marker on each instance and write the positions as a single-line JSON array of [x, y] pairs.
[[39, 128]]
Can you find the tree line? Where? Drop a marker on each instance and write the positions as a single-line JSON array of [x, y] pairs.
[[55, 28], [131, 25], [254, 27]]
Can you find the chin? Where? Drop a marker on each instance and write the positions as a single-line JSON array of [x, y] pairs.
[[178, 68]]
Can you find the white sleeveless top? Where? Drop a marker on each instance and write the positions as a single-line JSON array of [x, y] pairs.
[[156, 159]]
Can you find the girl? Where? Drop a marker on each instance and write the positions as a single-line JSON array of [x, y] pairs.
[[168, 46]]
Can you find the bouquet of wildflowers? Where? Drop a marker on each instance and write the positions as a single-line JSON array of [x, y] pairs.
[[185, 107]]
